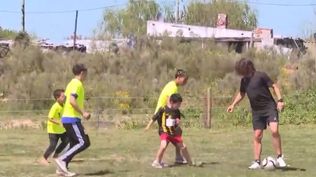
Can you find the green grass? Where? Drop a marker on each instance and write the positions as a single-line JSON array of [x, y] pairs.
[[117, 152]]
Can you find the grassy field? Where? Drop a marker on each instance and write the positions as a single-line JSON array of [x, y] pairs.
[[117, 152]]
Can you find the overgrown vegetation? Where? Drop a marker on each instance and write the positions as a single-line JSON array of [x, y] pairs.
[[129, 82], [132, 20], [137, 76]]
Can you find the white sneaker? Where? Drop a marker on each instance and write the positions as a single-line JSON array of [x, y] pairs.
[[59, 172], [254, 166], [156, 164], [70, 174], [181, 162], [280, 162], [164, 165], [61, 165]]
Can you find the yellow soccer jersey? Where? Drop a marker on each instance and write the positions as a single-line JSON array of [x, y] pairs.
[[74, 88], [167, 91], [55, 115]]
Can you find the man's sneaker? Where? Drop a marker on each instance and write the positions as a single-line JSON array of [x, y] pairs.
[[280, 162], [254, 166], [156, 164], [61, 165]]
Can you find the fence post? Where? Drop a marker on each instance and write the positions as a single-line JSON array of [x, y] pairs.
[[208, 109]]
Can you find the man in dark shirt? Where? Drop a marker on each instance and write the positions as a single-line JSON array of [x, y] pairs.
[[264, 108]]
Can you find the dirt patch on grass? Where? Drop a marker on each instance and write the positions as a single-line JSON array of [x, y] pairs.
[[20, 123]]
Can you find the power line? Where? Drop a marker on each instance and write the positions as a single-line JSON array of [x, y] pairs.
[[281, 4], [62, 11]]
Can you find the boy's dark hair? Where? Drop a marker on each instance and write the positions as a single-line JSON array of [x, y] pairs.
[[57, 93], [78, 68], [175, 98], [181, 73], [245, 67]]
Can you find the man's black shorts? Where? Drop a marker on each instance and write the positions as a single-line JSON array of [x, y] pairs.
[[261, 119]]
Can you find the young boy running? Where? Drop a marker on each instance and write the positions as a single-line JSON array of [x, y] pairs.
[[55, 128], [168, 118], [73, 111], [172, 87], [264, 109]]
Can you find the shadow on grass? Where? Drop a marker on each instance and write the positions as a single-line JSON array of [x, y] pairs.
[[77, 161], [199, 164], [99, 173], [291, 169]]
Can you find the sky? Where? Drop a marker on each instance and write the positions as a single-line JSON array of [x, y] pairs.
[[54, 19]]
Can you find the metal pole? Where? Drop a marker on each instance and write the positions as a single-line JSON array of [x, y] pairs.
[[75, 32]]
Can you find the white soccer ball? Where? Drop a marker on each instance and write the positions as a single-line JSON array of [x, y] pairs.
[[269, 163]]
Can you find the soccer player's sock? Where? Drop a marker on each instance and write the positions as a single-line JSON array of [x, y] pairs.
[[279, 156], [257, 161]]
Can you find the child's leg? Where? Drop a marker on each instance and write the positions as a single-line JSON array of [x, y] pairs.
[[53, 139], [185, 152], [64, 142], [161, 151]]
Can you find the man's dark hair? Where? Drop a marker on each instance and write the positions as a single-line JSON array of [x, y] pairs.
[[57, 93], [245, 67], [175, 98], [78, 68], [181, 73]]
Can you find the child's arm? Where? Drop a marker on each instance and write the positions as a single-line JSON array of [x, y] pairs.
[[74, 104], [53, 121], [154, 118], [149, 124]]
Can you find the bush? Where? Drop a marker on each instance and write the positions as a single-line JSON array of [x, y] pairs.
[[138, 76]]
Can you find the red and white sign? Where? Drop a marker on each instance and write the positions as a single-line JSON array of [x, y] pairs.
[[221, 21]]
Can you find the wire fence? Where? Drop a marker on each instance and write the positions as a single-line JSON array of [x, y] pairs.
[[117, 109]]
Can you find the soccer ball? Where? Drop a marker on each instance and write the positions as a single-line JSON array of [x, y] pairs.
[[269, 163]]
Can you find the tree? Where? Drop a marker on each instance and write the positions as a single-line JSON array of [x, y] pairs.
[[131, 20], [240, 15], [6, 34]]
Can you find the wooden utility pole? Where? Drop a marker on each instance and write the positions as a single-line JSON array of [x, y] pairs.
[[23, 15], [75, 32]]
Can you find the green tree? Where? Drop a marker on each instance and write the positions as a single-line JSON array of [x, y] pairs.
[[130, 20], [7, 34], [240, 15]]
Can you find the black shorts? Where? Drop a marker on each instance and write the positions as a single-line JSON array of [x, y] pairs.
[[260, 119]]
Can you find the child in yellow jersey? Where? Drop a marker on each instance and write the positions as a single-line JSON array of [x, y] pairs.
[[181, 78], [73, 113], [168, 119], [55, 128]]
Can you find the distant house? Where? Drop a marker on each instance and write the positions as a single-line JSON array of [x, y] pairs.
[[241, 39]]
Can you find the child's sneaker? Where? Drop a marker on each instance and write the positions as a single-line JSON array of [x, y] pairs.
[[156, 164]]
